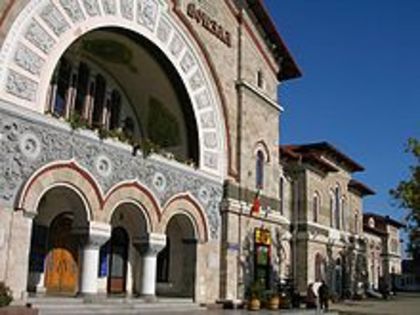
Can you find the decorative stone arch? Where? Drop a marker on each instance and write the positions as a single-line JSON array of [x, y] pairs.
[[185, 204], [44, 29], [67, 174], [262, 146], [136, 194]]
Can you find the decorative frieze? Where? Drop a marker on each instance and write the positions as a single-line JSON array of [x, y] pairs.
[[54, 19], [21, 86], [147, 12], [73, 10], [28, 60], [29, 145], [196, 80], [39, 37]]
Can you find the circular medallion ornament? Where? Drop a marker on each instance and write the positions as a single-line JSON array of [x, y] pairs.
[[159, 181], [204, 194], [30, 145], [103, 166]]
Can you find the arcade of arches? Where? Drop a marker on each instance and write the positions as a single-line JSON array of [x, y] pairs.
[[71, 254]]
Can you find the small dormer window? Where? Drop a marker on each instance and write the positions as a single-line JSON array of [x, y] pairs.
[[260, 79], [371, 223]]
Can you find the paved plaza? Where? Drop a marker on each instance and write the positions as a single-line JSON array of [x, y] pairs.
[[403, 303]]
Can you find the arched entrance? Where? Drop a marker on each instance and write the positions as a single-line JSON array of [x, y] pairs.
[[120, 256], [54, 263], [62, 266], [43, 32], [176, 263]]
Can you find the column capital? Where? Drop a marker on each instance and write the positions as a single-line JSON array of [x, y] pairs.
[[95, 234], [151, 244]]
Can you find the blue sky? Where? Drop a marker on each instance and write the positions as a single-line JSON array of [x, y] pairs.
[[360, 88]]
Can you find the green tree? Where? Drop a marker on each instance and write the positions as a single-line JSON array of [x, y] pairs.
[[407, 194]]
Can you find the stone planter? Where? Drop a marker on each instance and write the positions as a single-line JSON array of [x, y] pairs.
[[273, 303], [254, 304]]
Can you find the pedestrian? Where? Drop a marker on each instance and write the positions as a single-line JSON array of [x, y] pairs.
[[324, 296]]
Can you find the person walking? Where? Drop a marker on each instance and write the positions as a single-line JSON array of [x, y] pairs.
[[324, 296]]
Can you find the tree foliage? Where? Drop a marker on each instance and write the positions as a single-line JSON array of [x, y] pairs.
[[407, 193]]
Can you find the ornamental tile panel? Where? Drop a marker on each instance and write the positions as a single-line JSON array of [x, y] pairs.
[[92, 7], [21, 86], [109, 6], [28, 60], [73, 10], [54, 19], [39, 37], [127, 7]]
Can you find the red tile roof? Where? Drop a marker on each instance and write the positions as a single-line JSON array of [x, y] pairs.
[[289, 68], [321, 148], [363, 189]]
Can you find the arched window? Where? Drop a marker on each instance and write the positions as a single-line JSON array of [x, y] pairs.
[[281, 195], [259, 172], [315, 207], [337, 207]]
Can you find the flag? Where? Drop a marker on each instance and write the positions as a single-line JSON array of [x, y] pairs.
[[255, 209]]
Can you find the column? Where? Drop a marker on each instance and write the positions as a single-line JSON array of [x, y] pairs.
[[92, 237], [150, 246]]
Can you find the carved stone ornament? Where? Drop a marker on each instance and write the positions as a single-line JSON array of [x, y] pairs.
[[21, 86], [92, 7], [109, 7], [127, 7], [73, 10], [28, 60], [39, 37], [54, 19], [103, 165], [163, 30], [29, 144]]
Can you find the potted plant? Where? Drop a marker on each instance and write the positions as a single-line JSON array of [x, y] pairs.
[[5, 295], [255, 294]]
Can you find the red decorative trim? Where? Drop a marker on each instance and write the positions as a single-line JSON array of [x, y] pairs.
[[219, 86], [72, 165], [6, 12], [187, 197], [135, 185]]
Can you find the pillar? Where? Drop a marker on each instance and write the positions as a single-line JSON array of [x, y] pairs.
[[92, 238], [150, 246]]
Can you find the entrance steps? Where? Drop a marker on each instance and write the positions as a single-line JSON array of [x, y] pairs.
[[118, 306]]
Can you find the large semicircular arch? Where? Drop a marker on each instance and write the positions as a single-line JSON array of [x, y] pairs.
[[44, 30]]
